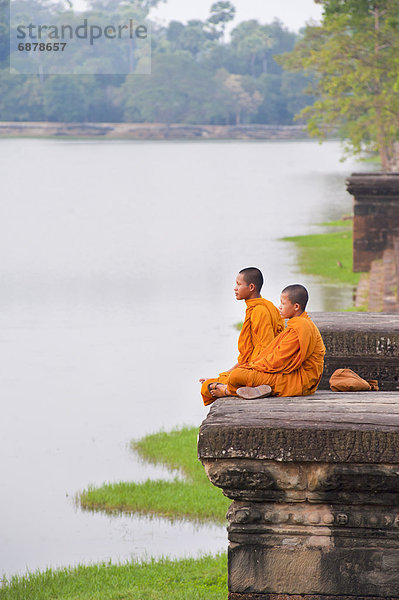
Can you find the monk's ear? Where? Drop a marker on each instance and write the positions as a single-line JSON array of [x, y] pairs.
[[252, 287]]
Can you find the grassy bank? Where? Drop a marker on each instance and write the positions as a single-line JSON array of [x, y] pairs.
[[187, 579], [328, 255], [190, 495]]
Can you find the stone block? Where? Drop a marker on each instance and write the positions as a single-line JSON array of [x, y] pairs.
[[376, 215], [367, 343], [315, 488]]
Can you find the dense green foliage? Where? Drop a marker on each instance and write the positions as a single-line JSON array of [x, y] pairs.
[[197, 76], [191, 496], [354, 57], [188, 579]]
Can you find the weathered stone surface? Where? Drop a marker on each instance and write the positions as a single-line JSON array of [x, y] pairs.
[[373, 185], [375, 300], [315, 484], [316, 566], [367, 343], [376, 215], [391, 281], [328, 427], [379, 290]]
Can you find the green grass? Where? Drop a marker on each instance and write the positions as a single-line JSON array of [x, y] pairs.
[[191, 496], [361, 308], [372, 159], [340, 223], [187, 579], [327, 255]]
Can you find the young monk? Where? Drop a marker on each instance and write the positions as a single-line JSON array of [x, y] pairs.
[[291, 365], [261, 325]]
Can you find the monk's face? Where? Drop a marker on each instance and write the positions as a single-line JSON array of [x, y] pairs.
[[286, 308], [242, 290]]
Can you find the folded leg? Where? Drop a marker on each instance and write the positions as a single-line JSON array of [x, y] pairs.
[[248, 378]]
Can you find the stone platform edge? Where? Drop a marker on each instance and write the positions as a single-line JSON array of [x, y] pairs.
[[329, 427]]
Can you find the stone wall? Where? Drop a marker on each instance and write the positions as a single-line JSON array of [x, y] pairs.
[[378, 290], [153, 131], [367, 343]]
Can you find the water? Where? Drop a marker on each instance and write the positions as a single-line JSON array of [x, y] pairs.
[[118, 261]]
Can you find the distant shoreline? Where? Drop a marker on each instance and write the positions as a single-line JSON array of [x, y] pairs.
[[152, 131]]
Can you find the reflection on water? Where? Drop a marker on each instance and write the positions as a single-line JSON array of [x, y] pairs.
[[118, 263], [335, 295], [94, 537]]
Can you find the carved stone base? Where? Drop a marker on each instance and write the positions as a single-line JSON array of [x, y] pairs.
[[294, 564], [307, 548], [315, 484]]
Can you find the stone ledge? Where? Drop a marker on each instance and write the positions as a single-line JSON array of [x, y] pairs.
[[362, 322], [328, 427], [373, 184]]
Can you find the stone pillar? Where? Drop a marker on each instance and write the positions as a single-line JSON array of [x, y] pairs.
[[315, 489], [376, 215]]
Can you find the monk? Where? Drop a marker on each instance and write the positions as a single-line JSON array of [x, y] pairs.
[[291, 365], [261, 325]]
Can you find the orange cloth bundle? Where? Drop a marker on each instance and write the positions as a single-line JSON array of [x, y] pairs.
[[346, 380]]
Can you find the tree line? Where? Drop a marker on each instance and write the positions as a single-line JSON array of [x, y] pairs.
[[197, 75]]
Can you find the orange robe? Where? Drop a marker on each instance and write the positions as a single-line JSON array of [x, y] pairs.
[[292, 364], [261, 325]]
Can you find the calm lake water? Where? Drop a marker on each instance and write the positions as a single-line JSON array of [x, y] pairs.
[[117, 267]]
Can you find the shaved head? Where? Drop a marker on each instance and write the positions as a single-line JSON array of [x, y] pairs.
[[253, 275], [297, 294]]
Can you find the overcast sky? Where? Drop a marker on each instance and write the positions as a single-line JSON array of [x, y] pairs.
[[293, 13]]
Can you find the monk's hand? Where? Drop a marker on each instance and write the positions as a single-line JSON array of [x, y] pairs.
[[202, 380]]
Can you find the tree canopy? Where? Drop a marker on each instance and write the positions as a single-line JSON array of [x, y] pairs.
[[353, 55], [197, 76], [221, 14]]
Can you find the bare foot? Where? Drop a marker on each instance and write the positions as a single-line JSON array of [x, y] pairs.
[[218, 390]]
